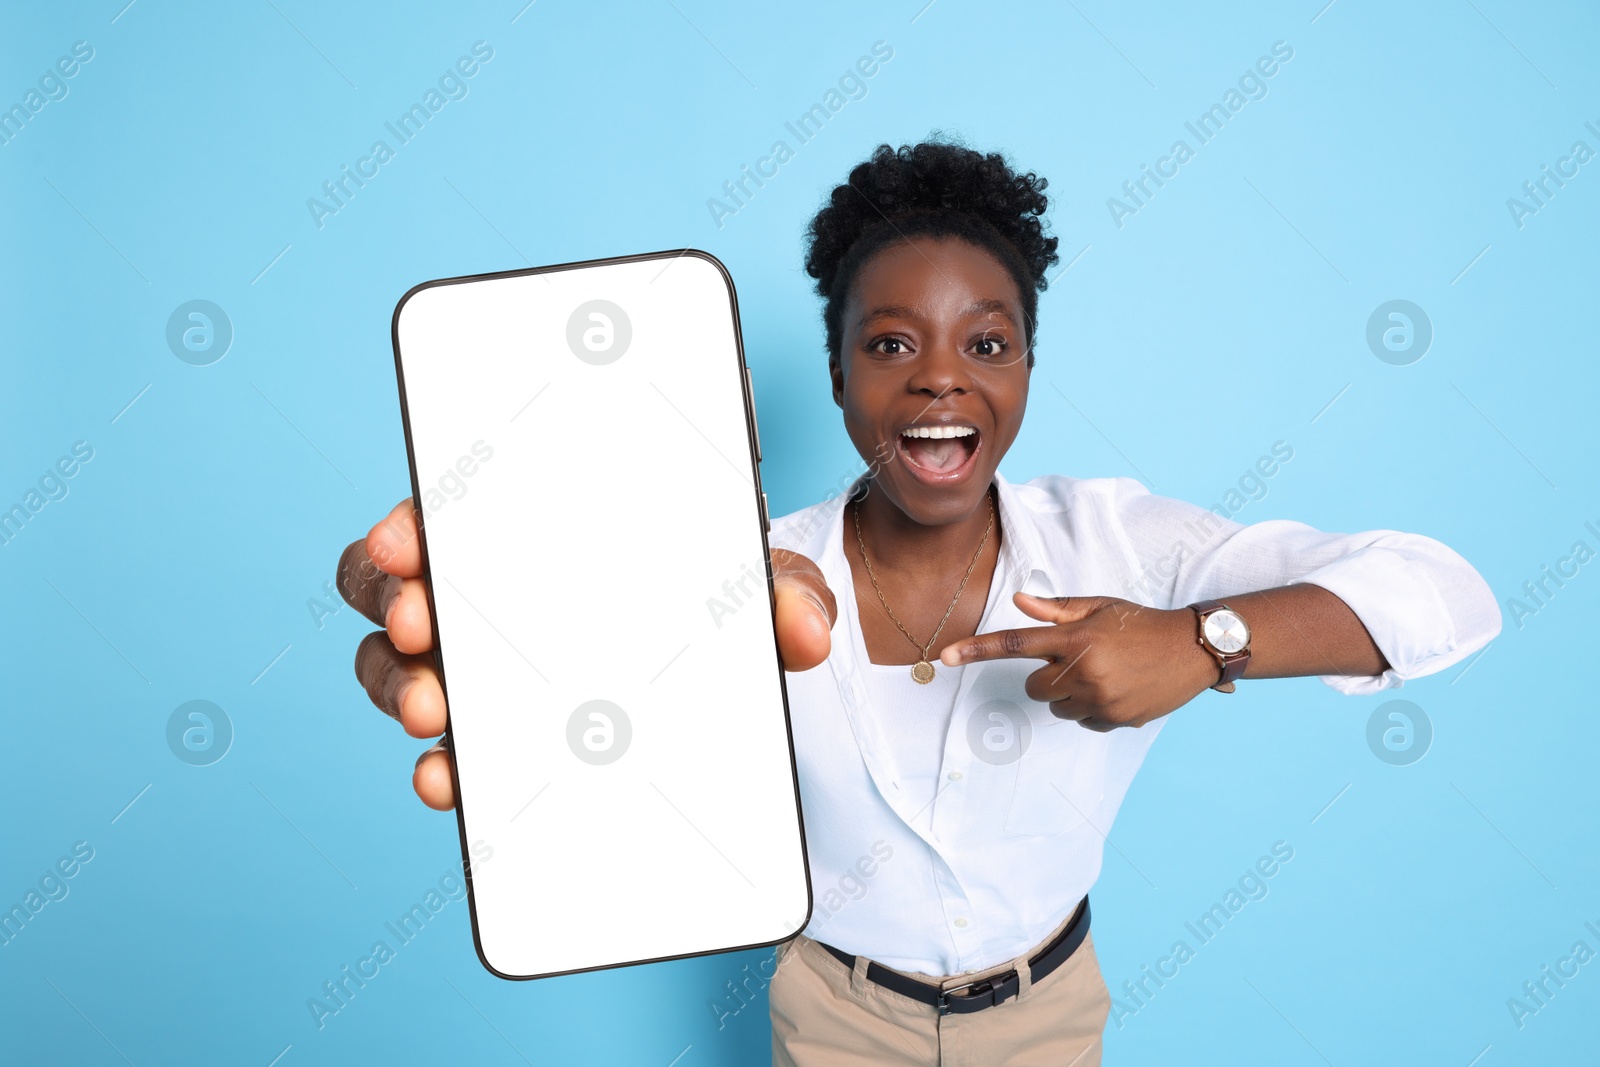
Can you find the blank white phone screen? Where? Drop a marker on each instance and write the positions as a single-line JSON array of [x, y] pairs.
[[584, 462]]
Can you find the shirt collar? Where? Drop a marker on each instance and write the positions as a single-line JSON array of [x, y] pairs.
[[1022, 545]]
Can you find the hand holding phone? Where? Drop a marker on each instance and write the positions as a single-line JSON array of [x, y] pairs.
[[380, 575]]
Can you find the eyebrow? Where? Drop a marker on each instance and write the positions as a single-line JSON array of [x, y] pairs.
[[902, 311]]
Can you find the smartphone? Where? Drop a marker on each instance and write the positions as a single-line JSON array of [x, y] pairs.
[[585, 469]]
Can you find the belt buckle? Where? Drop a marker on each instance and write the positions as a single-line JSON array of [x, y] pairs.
[[975, 991]]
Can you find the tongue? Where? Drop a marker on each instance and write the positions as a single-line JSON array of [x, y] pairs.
[[937, 453]]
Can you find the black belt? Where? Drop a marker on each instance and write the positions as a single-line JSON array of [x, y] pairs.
[[988, 992]]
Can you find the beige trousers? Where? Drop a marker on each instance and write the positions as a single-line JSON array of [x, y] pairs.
[[825, 1015]]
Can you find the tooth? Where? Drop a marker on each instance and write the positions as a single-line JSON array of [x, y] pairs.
[[938, 432]]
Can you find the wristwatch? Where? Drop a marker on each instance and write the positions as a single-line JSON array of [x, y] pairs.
[[1225, 635]]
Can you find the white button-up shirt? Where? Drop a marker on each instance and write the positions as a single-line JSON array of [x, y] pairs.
[[1024, 799]]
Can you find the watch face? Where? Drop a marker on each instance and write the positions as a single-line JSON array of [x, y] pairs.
[[1226, 632]]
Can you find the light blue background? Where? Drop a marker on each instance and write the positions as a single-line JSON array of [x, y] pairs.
[[1224, 316]]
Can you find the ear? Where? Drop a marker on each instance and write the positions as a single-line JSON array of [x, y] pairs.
[[836, 372]]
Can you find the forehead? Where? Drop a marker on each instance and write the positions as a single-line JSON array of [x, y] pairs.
[[933, 273]]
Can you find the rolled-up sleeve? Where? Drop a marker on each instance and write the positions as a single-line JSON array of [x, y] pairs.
[[1425, 607]]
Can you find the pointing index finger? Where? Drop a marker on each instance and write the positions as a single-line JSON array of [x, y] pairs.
[[1028, 642]]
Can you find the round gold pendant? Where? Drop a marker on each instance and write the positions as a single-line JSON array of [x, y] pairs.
[[922, 672]]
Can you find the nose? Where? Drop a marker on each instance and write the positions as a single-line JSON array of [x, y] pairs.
[[939, 370]]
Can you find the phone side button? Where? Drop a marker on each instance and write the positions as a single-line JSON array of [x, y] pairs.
[[766, 515], [755, 425]]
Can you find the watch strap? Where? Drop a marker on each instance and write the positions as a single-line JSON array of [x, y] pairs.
[[1232, 664]]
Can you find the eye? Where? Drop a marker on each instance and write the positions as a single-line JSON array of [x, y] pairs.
[[888, 346], [990, 346]]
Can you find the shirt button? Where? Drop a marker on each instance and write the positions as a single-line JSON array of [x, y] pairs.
[[961, 923], [955, 776]]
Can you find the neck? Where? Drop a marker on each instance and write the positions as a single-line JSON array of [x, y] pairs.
[[899, 543]]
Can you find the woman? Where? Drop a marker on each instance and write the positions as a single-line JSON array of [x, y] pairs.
[[956, 791]]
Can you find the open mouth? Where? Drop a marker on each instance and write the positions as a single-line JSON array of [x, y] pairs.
[[939, 453]]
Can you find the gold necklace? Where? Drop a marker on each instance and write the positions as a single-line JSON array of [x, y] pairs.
[[922, 670]]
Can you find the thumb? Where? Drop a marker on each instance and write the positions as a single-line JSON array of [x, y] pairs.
[[802, 628], [1060, 609], [805, 611]]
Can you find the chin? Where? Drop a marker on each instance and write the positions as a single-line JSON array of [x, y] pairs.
[[938, 505]]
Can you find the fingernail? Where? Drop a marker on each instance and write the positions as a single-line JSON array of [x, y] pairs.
[[821, 608], [951, 657], [437, 747]]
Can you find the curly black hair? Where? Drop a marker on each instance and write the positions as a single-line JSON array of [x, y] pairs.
[[937, 188]]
